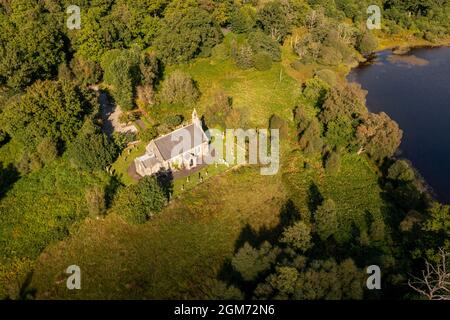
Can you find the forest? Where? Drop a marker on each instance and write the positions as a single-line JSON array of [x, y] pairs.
[[342, 200]]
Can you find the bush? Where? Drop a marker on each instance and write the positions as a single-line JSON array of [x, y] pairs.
[[262, 61], [401, 170], [297, 236], [137, 203], [330, 56], [179, 88], [174, 121], [242, 20], [121, 140], [148, 134], [244, 57], [328, 76], [260, 42], [367, 43]]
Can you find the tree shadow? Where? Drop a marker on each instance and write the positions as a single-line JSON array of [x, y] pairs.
[[165, 180], [315, 197], [27, 292], [8, 176], [289, 214]]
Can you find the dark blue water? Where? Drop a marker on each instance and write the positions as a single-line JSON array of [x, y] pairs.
[[417, 97]]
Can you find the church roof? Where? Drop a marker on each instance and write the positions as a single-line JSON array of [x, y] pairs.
[[167, 143]]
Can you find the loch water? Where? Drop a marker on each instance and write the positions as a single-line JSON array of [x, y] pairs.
[[414, 90]]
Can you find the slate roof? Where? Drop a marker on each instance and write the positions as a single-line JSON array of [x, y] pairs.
[[166, 144], [148, 161]]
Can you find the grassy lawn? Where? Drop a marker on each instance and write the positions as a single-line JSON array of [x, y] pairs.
[[188, 183], [126, 159], [176, 255]]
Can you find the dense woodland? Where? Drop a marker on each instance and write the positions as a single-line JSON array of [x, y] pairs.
[[156, 59]]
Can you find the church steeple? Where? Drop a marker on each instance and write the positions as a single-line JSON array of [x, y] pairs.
[[195, 118]]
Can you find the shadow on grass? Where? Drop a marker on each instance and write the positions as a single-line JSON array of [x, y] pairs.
[[289, 214], [8, 176]]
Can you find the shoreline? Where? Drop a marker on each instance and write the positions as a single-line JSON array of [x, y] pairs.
[[421, 183]]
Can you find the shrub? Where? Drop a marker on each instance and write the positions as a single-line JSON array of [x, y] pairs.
[[259, 41], [401, 170], [367, 43], [174, 120], [148, 134], [244, 57], [47, 150], [242, 20], [179, 88], [146, 94], [137, 203], [326, 220], [262, 61], [328, 76]]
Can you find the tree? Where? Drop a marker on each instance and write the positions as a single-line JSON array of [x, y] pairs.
[[31, 45], [221, 291], [219, 109], [326, 221], [47, 150], [379, 136], [297, 236], [122, 73], [326, 279], [310, 139], [3, 138], [48, 109], [91, 150], [138, 203], [251, 262], [273, 21], [179, 88], [434, 283], [185, 34], [242, 20], [401, 170], [260, 42], [367, 43]]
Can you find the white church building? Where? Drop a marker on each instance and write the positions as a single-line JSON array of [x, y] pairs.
[[161, 153]]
